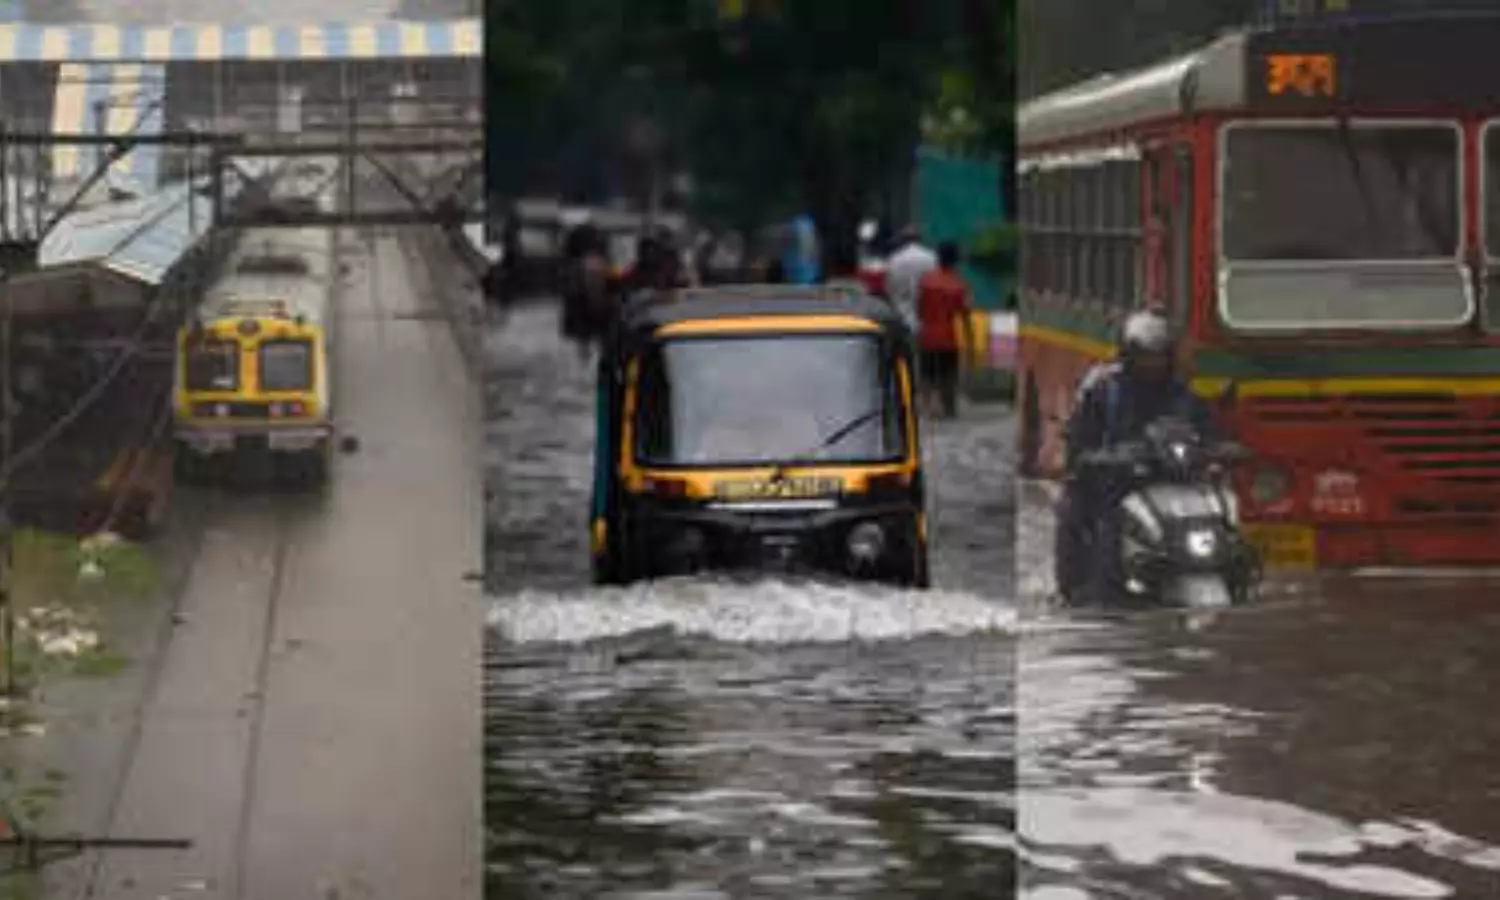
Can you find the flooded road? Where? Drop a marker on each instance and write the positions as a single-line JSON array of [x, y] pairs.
[[1330, 743], [698, 739]]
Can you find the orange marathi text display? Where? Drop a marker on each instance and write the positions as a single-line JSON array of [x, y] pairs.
[[1308, 74]]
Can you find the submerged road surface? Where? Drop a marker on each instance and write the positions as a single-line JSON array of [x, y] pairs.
[[698, 739], [311, 723], [1325, 744]]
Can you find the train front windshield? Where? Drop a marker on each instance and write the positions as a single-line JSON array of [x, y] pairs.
[[768, 399], [286, 366], [213, 365]]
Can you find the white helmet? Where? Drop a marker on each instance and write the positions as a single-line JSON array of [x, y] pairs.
[[1146, 333]]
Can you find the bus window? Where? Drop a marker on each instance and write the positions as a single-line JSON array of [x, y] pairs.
[[286, 366], [1127, 227], [213, 366], [1180, 241], [1314, 215], [1169, 225]]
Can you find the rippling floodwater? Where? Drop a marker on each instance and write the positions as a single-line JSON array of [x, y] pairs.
[[1333, 743], [704, 739]]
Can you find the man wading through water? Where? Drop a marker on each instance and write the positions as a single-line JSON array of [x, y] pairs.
[[586, 296], [943, 317]]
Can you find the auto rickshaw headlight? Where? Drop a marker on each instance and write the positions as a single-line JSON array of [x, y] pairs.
[[866, 542]]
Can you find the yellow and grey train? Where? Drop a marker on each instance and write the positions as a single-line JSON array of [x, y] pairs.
[[253, 375]]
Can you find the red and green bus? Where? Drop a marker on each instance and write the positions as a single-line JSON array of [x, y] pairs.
[[1318, 208]]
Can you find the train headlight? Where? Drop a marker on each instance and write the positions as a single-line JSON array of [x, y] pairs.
[[221, 410], [275, 410]]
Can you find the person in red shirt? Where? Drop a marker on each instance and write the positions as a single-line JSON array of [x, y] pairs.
[[942, 315]]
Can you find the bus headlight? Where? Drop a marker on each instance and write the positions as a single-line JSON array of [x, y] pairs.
[[866, 542]]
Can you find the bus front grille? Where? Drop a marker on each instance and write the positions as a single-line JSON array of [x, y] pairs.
[[1438, 437]]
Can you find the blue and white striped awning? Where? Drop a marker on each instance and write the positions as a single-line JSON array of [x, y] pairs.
[[116, 99], [99, 42]]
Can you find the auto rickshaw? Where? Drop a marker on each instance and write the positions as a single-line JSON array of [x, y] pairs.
[[758, 428]]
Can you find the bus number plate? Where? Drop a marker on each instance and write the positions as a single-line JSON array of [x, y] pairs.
[[777, 489]]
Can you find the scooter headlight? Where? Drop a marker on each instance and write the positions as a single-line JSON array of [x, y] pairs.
[[1201, 543]]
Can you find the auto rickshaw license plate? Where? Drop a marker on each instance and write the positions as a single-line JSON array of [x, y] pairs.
[[777, 489], [1284, 546]]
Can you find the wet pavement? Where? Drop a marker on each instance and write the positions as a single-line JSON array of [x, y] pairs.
[[1333, 741], [701, 739], [307, 714]]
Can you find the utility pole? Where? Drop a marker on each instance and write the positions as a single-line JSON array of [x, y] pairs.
[[7, 556], [7, 576]]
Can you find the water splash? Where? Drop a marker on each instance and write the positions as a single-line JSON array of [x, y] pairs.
[[760, 613]]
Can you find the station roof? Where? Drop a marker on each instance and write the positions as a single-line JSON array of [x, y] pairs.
[[140, 239], [103, 42]]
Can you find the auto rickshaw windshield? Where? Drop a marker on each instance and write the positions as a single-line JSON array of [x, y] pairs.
[[769, 399]]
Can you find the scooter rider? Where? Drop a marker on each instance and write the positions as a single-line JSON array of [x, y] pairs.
[[1115, 402]]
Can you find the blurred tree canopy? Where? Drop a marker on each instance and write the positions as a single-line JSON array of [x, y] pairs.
[[772, 105]]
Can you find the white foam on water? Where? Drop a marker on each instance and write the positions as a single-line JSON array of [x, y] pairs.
[[1055, 892], [1151, 828], [759, 613]]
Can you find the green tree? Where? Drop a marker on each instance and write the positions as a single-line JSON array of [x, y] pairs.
[[814, 104], [773, 106]]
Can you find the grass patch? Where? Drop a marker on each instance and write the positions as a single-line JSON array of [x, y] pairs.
[[58, 569], [100, 663], [20, 885], [63, 589], [27, 800]]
